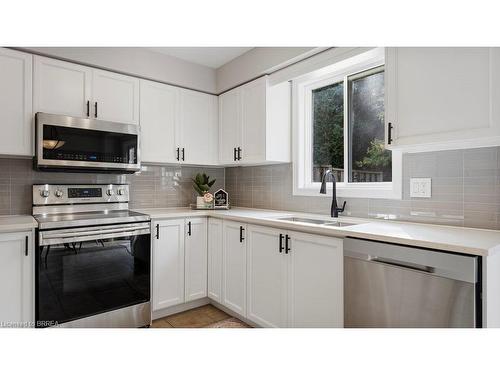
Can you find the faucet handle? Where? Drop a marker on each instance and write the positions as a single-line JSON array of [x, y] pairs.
[[343, 207]]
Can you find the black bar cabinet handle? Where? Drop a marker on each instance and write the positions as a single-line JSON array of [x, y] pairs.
[[234, 154], [189, 228], [157, 231], [183, 154], [389, 133], [26, 246], [281, 242], [88, 108], [239, 153], [95, 109], [287, 244], [178, 153], [241, 233]]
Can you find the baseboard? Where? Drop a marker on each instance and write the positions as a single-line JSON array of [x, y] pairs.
[[180, 308]]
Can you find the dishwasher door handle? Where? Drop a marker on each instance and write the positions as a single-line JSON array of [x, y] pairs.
[[398, 263]]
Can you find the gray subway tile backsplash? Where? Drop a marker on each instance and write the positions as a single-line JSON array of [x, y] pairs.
[[154, 187], [465, 188]]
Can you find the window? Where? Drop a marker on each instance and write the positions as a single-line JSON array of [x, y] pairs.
[[369, 161], [339, 125]]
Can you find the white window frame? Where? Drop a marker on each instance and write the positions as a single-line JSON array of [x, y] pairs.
[[302, 132]]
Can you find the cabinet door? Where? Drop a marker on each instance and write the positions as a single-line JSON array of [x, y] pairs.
[[168, 263], [196, 259], [198, 127], [229, 125], [60, 87], [253, 121], [316, 278], [215, 243], [438, 96], [159, 118], [234, 267], [16, 112], [16, 278], [266, 277], [117, 97]]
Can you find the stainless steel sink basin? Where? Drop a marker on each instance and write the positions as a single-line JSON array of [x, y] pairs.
[[339, 224], [304, 220], [330, 223]]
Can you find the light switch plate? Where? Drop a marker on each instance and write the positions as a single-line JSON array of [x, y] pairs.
[[420, 187]]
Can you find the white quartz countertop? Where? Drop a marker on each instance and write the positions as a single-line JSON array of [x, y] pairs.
[[457, 239], [17, 223]]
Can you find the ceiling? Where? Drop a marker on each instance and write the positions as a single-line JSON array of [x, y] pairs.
[[213, 57]]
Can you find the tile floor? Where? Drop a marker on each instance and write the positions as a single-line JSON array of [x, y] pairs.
[[206, 316]]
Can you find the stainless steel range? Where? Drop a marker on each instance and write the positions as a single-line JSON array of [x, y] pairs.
[[93, 264]]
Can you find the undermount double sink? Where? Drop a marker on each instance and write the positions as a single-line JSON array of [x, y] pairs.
[[330, 223]]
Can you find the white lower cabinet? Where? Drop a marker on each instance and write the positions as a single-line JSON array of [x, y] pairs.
[[215, 259], [168, 263], [234, 266], [195, 264], [179, 261], [16, 278], [266, 277], [294, 279], [315, 281]]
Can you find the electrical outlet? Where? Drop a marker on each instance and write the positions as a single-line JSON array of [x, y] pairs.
[[420, 187]]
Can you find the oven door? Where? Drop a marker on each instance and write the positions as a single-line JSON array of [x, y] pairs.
[[82, 143], [84, 271]]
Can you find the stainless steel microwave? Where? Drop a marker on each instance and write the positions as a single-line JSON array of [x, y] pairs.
[[72, 143]]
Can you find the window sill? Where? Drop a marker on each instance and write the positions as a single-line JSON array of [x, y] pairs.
[[388, 190]]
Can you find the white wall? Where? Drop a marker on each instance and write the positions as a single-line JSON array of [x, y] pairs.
[[139, 62], [259, 61]]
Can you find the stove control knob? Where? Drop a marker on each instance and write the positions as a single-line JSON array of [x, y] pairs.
[[121, 191], [58, 193], [44, 193], [110, 192]]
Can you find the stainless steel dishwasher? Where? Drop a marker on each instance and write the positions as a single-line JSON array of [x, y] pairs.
[[388, 285]]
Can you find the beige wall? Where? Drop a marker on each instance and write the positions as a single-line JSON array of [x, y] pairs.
[[259, 61], [139, 62]]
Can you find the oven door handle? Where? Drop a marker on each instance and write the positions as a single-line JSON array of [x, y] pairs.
[[75, 236], [92, 232]]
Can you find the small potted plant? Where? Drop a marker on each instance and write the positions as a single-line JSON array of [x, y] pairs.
[[202, 185]]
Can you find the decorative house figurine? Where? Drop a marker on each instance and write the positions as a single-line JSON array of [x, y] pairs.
[[221, 199]]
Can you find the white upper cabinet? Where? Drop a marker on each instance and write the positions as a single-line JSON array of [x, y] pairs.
[[115, 97], [178, 125], [229, 126], [254, 125], [16, 103], [198, 128], [159, 119], [61, 88], [442, 98], [16, 277], [196, 259], [76, 90], [253, 121]]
